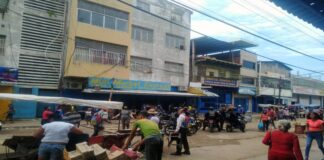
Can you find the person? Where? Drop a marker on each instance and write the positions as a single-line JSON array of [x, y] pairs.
[[97, 122], [240, 110], [265, 120], [125, 116], [46, 113], [283, 145], [271, 114], [71, 116], [222, 118], [58, 114], [153, 116], [208, 115], [286, 113], [55, 138], [314, 130], [10, 113], [182, 130], [88, 115], [151, 137]]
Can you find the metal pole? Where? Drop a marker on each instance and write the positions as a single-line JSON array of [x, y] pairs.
[[280, 86]]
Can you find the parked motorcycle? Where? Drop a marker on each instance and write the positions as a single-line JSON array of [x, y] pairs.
[[193, 126], [239, 123]]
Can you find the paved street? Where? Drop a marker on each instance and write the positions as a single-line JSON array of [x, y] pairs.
[[204, 145]]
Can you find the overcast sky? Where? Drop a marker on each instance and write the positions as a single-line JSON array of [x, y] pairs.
[[265, 19]]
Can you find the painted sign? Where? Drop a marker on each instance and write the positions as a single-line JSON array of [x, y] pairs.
[[120, 84], [8, 75], [220, 82]]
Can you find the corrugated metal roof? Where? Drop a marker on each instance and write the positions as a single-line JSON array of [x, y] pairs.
[[206, 45], [311, 11]]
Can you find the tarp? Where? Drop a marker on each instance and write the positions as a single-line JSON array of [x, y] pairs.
[[201, 92], [63, 100]]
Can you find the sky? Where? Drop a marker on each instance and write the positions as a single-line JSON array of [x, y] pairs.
[[267, 20]]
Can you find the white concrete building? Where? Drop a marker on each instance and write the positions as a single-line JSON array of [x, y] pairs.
[[160, 49]]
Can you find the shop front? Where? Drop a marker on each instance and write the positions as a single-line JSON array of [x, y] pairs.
[[245, 98]]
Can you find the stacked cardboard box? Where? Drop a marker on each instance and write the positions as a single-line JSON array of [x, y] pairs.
[[86, 151], [99, 152]]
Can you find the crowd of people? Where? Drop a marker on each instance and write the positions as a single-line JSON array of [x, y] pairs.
[[284, 144]]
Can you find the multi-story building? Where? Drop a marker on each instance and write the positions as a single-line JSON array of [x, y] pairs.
[[248, 77], [274, 83], [31, 43], [217, 66], [160, 49], [307, 91]]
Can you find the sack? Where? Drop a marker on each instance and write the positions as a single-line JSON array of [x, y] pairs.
[[260, 126]]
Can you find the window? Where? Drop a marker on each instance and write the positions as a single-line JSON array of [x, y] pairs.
[[227, 74], [102, 16], [142, 34], [172, 41], [247, 80], [142, 5], [175, 69], [275, 83], [97, 19], [84, 16], [141, 64], [211, 74], [249, 64], [177, 17], [2, 44], [99, 52]]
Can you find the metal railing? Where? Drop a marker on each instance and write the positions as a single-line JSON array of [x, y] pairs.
[[141, 67], [99, 56]]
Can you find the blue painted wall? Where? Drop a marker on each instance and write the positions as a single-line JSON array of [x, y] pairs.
[[25, 109]]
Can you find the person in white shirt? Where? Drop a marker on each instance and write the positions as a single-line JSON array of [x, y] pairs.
[[55, 138], [182, 130], [153, 116]]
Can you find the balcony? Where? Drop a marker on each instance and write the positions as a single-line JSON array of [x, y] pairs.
[[99, 56]]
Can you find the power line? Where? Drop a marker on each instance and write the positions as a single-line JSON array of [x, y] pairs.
[[258, 36], [188, 28], [310, 36]]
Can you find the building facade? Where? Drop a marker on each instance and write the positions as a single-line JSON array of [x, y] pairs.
[[307, 91], [246, 95], [274, 83], [160, 49], [31, 49]]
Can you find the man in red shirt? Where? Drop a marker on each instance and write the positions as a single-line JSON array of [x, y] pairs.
[[45, 115]]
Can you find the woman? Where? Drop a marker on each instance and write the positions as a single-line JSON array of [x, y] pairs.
[[314, 130], [125, 116], [283, 145], [46, 113], [88, 116], [265, 120]]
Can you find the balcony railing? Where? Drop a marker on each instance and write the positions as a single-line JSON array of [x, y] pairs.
[[99, 56]]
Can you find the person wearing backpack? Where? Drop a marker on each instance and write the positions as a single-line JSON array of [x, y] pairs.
[[182, 130], [97, 122]]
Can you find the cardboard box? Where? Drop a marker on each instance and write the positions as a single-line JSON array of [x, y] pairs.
[[117, 155], [99, 152], [86, 151]]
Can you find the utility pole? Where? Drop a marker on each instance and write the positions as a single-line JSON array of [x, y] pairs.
[[280, 86]]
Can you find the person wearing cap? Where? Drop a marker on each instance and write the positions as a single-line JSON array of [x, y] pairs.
[[152, 138], [153, 116], [182, 130]]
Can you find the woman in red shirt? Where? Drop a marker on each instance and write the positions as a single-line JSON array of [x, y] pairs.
[[314, 130], [283, 145], [45, 115]]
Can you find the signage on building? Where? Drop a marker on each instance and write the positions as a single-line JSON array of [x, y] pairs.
[[220, 82], [8, 75], [121, 84], [247, 90], [304, 90]]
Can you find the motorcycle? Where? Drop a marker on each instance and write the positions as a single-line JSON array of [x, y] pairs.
[[193, 126], [239, 123]]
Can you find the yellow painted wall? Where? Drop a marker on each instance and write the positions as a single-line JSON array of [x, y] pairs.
[[4, 103], [83, 30]]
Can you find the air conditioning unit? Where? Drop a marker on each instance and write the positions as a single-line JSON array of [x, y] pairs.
[[72, 85]]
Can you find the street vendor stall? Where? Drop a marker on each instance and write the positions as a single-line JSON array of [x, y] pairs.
[[18, 142]]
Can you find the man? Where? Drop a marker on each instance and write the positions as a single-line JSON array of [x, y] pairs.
[[182, 130], [153, 116], [97, 122], [55, 138], [271, 115], [125, 117], [152, 137]]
